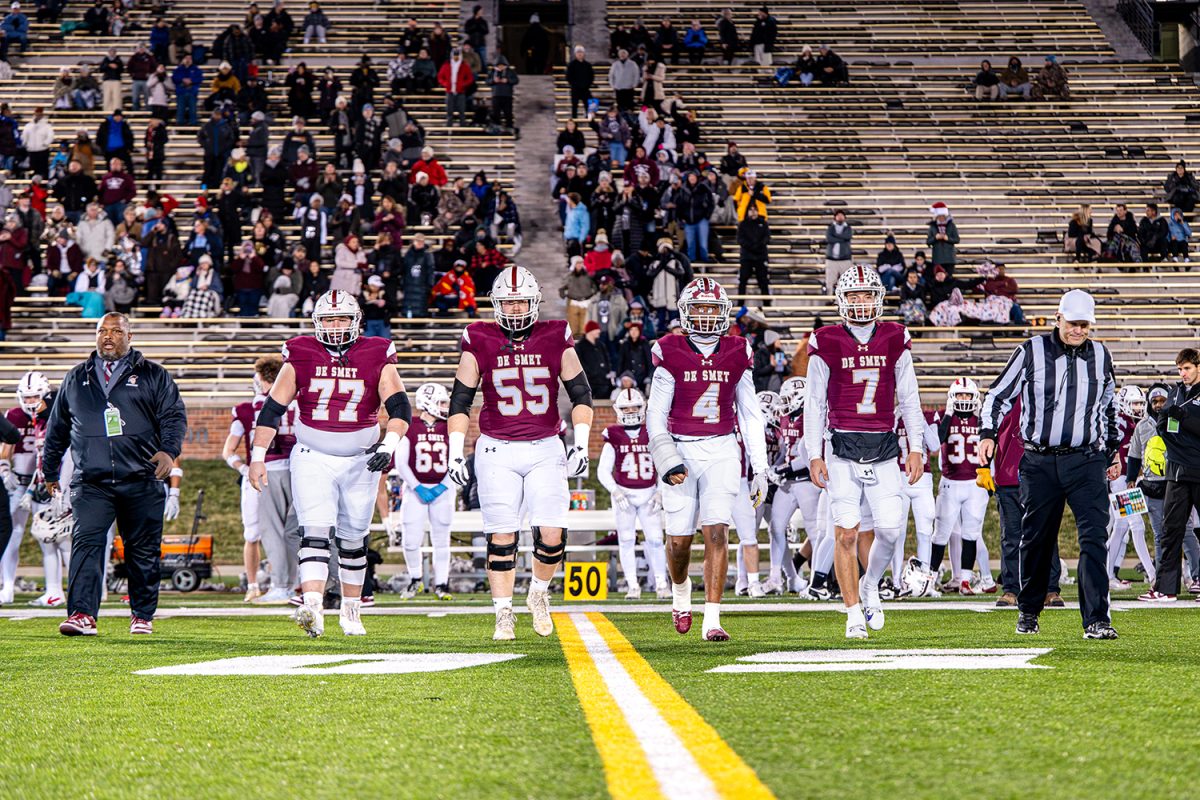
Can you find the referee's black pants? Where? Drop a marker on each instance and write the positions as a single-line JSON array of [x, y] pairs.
[[1181, 498], [1008, 503], [1048, 482], [137, 508]]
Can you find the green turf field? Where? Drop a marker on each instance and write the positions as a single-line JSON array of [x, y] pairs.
[[1103, 719]]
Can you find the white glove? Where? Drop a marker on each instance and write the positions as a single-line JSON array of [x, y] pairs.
[[774, 478], [171, 509], [26, 502], [393, 533], [758, 489], [458, 471], [577, 462], [656, 503], [620, 499], [244, 471], [60, 504], [10, 480]]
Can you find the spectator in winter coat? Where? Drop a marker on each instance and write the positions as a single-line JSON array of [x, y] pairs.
[[1002, 285], [249, 279], [912, 298], [578, 225], [771, 364], [594, 358], [694, 42], [890, 263], [570, 136], [114, 137], [1180, 187], [458, 81], [430, 166], [418, 278], [1051, 80], [763, 36], [63, 256], [1081, 239], [750, 190], [832, 69], [1153, 235], [942, 237], [732, 164], [728, 35], [753, 236], [624, 75], [75, 190], [96, 233], [350, 262], [1180, 232], [581, 77], [117, 189], [455, 291], [217, 139], [838, 254], [666, 275], [578, 288], [694, 206], [316, 24], [502, 78], [987, 82], [634, 356], [38, 138], [187, 79], [14, 29], [1015, 79], [614, 137]]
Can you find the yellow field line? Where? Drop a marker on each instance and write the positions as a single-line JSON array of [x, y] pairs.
[[732, 776], [626, 769]]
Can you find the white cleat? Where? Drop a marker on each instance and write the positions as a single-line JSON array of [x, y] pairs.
[[663, 592], [772, 586], [538, 603], [856, 625], [311, 619], [798, 585], [274, 597], [252, 593], [634, 593], [46, 601], [756, 590], [414, 588], [872, 607], [351, 619], [506, 626], [7, 595]]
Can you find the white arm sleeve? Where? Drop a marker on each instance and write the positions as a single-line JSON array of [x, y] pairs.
[[662, 393], [751, 423], [402, 468], [604, 469], [909, 398], [932, 444], [66, 470], [816, 406], [236, 428], [798, 455]]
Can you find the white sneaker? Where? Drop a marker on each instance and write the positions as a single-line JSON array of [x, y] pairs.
[[45, 601], [856, 625], [538, 603], [772, 586], [741, 588], [1118, 585], [7, 595], [872, 607], [798, 584], [634, 593], [311, 619], [663, 592], [505, 626], [756, 590], [252, 593], [274, 597], [350, 619]]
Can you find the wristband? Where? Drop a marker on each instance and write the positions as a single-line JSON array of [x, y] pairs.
[[390, 440], [583, 432], [457, 441], [173, 491], [176, 472], [258, 455], [234, 461]]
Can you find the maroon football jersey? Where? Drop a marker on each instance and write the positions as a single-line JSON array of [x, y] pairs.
[[862, 377], [428, 450], [519, 379], [772, 436], [633, 467], [960, 451], [24, 455], [338, 393], [931, 418], [1125, 424], [246, 417], [791, 430], [705, 400]]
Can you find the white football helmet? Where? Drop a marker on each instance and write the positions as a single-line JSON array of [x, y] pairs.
[[515, 283], [704, 292], [792, 394], [433, 399], [771, 405], [336, 303], [860, 278], [1131, 401], [50, 525], [963, 386], [630, 407], [32, 389]]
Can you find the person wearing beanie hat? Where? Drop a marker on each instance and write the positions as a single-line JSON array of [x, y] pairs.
[[942, 237], [368, 138], [890, 263], [763, 36], [578, 288], [1051, 80], [838, 253], [1181, 188], [595, 360]]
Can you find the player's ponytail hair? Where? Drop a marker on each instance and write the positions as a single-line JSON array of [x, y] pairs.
[[268, 367]]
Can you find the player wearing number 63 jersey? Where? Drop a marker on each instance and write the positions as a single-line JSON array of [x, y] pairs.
[[857, 374], [520, 465], [422, 460], [337, 379], [626, 469], [703, 389], [961, 504]]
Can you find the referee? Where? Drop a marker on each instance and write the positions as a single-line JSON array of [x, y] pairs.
[[124, 421], [1069, 428]]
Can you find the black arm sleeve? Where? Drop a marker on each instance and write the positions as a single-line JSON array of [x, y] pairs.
[[271, 414], [1133, 468], [579, 390], [461, 398], [398, 407], [172, 416], [944, 428], [58, 430]]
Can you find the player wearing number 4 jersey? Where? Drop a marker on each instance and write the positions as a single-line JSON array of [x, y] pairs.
[[703, 389], [338, 380], [520, 465], [422, 460], [857, 374]]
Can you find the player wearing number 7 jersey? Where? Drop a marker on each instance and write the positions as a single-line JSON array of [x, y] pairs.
[[337, 379], [703, 388], [520, 465], [857, 373]]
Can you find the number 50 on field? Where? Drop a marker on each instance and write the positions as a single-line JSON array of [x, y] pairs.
[[586, 580]]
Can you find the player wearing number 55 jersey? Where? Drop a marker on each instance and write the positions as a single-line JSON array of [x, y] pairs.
[[961, 504], [857, 373], [520, 465], [422, 460], [338, 380], [703, 389]]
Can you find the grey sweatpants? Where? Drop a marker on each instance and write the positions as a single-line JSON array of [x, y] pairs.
[[280, 531]]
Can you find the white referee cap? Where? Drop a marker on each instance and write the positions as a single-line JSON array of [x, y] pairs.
[[1077, 306]]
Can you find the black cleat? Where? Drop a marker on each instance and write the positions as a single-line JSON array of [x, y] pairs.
[[1027, 623], [1099, 630]]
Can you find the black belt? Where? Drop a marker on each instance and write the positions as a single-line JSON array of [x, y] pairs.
[[1060, 450]]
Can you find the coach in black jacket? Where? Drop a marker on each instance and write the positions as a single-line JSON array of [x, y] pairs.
[[124, 421]]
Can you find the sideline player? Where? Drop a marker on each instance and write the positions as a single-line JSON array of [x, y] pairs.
[[857, 374], [1131, 409], [338, 379], [795, 490], [520, 464], [748, 581], [18, 461], [702, 389], [422, 462], [916, 580]]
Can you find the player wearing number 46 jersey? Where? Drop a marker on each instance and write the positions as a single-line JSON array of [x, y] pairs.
[[702, 391], [520, 465], [858, 372], [338, 380]]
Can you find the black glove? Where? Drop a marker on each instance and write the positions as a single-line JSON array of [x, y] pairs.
[[380, 460], [1175, 412], [679, 470]]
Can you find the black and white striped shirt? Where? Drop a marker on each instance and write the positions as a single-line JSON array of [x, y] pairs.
[[1067, 394]]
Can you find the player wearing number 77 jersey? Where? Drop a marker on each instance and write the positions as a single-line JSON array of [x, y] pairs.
[[857, 373], [703, 388], [520, 465], [337, 379]]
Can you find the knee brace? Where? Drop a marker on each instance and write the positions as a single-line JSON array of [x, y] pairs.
[[545, 553], [501, 557], [352, 561], [314, 549]]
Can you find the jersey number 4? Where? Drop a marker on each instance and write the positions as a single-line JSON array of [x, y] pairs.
[[522, 388], [326, 388]]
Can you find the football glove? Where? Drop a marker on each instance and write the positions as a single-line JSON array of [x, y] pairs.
[[10, 478], [425, 494], [393, 533], [577, 462], [436, 491], [656, 503], [26, 501], [620, 500], [171, 509], [380, 457], [459, 472], [758, 489], [984, 480]]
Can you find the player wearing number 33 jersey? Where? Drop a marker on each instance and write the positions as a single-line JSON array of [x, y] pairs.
[[858, 372], [520, 465], [702, 389], [961, 504]]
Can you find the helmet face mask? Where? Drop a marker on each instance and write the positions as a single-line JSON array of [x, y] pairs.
[[32, 389], [704, 308], [963, 397], [336, 318], [792, 395], [859, 293], [1131, 401], [515, 299], [630, 408], [433, 399], [771, 405]]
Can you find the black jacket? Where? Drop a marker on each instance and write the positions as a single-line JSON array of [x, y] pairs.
[[596, 366], [152, 414], [1183, 446], [753, 236]]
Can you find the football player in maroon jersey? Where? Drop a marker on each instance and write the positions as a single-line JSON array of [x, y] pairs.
[[1131, 409], [915, 578], [17, 464], [422, 462], [269, 518], [857, 373], [338, 380], [627, 471], [795, 491], [520, 465], [702, 390]]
